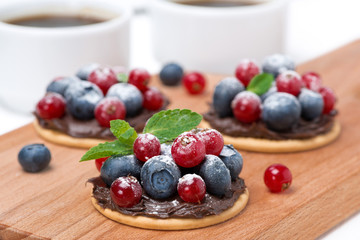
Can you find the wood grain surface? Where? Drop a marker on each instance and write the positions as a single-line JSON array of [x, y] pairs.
[[55, 204]]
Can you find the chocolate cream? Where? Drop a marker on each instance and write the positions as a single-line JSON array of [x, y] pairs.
[[172, 207], [91, 128], [302, 130]]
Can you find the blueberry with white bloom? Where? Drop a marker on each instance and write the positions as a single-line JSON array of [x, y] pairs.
[[84, 72], [120, 166], [159, 176], [129, 95], [224, 93], [216, 175], [281, 111], [277, 63], [82, 98], [311, 103], [60, 86]]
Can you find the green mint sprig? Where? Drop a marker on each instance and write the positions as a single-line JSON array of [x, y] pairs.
[[107, 149], [261, 83], [122, 77], [123, 132], [125, 135], [165, 125]]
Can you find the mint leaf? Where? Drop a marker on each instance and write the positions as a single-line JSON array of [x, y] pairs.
[[168, 124], [261, 83], [123, 131], [122, 77], [107, 149]]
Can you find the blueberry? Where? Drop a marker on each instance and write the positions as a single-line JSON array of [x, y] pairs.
[[232, 159], [281, 111], [34, 157], [224, 93], [271, 90], [120, 166], [60, 86], [171, 74], [216, 175], [84, 72], [159, 176], [81, 99], [277, 63], [311, 103], [166, 149], [129, 95]]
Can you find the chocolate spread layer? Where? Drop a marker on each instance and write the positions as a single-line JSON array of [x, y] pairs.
[[302, 130], [91, 128], [172, 207]]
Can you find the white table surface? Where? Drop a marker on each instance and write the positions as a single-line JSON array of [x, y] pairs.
[[314, 27]]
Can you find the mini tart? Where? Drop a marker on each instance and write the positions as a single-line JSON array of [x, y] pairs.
[[280, 146], [64, 139], [82, 139], [174, 223]]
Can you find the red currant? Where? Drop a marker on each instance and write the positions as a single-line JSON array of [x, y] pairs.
[[139, 78], [153, 99], [246, 70], [58, 78], [191, 188], [188, 150], [103, 77], [109, 108], [194, 82], [51, 106], [277, 178], [213, 140], [312, 81], [246, 107], [126, 191], [289, 82], [99, 162], [329, 99], [146, 146]]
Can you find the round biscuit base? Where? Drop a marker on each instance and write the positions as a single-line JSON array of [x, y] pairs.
[[174, 223], [280, 146], [64, 139]]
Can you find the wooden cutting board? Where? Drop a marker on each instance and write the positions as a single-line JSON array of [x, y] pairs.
[[325, 191]]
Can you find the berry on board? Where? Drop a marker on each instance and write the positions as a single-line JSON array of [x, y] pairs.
[[194, 82], [277, 178]]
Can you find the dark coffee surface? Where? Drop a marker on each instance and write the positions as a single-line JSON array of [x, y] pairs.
[[54, 21], [214, 3]]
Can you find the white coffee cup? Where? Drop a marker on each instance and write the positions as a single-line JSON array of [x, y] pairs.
[[216, 39], [30, 57]]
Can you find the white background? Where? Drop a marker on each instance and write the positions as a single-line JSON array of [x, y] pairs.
[[314, 27]]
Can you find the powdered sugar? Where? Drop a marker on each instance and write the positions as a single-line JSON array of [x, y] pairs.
[[188, 179]]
